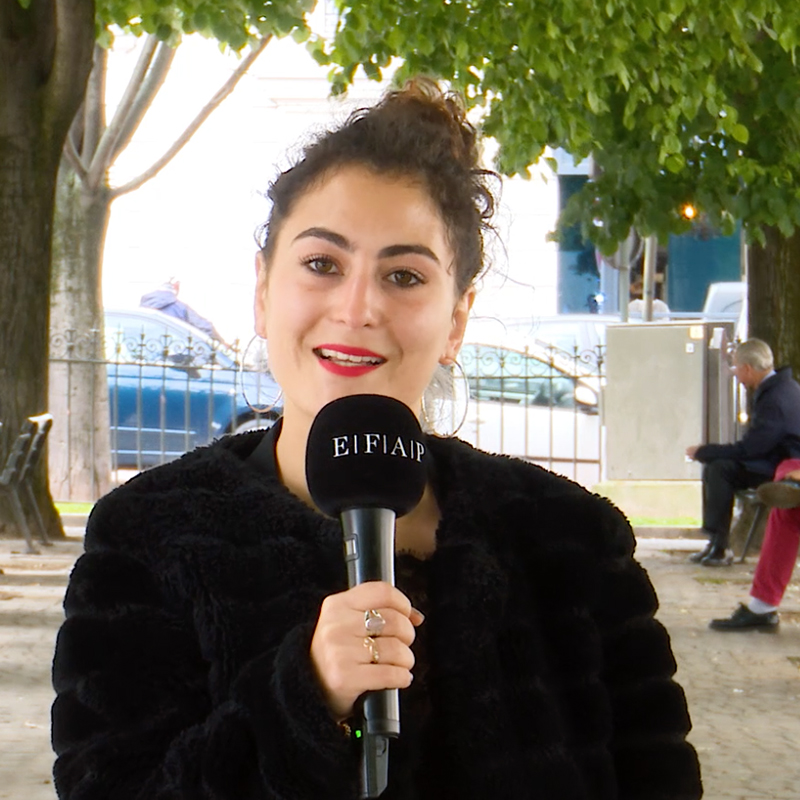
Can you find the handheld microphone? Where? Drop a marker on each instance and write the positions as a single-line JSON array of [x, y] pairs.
[[365, 464]]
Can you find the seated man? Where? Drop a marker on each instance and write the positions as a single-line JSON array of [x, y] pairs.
[[773, 435], [778, 553]]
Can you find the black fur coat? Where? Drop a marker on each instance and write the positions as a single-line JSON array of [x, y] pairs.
[[183, 671]]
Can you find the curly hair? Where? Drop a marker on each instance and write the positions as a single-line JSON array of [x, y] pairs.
[[417, 132]]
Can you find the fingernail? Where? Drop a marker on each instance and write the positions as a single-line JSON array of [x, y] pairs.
[[419, 614]]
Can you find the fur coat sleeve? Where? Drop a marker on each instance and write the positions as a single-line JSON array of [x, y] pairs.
[[182, 670]]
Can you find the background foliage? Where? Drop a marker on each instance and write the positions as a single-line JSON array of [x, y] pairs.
[[231, 22], [676, 100]]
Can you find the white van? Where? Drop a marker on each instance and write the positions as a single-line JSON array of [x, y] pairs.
[[725, 300]]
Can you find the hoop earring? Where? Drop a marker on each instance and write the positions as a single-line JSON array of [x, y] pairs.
[[261, 363], [446, 401]]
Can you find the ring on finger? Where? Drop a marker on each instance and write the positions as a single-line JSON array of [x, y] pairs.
[[372, 646], [374, 623]]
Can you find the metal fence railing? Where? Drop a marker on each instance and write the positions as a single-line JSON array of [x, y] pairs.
[[124, 401], [538, 403]]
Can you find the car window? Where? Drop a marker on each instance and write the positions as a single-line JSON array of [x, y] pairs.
[[503, 375]]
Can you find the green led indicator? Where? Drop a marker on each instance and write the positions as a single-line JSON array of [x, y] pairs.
[[358, 734]]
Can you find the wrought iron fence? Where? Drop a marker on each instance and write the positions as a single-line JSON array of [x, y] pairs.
[[538, 403], [127, 401]]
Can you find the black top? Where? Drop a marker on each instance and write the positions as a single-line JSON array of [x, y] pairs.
[[182, 671], [414, 753], [412, 757]]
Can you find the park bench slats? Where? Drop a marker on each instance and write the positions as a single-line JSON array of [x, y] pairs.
[[15, 479]]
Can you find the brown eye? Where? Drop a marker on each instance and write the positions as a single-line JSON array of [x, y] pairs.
[[405, 278], [321, 265]]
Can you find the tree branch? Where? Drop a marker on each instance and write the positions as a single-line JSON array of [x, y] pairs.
[[144, 97], [94, 113], [101, 158], [75, 134], [75, 161], [192, 128]]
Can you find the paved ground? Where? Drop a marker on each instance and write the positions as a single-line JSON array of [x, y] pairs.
[[31, 591], [743, 689]]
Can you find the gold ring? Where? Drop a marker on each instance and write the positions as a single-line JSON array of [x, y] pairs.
[[374, 623], [374, 655]]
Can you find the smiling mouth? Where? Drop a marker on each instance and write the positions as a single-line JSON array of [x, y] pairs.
[[348, 359]]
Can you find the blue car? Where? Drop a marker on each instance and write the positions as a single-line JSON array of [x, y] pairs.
[[172, 389]]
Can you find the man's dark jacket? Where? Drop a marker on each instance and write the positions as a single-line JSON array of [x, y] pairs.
[[183, 668], [774, 430], [166, 301]]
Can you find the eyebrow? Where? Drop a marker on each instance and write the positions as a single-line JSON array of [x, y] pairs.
[[386, 252]]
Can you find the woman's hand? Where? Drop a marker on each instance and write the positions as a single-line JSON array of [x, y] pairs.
[[342, 654]]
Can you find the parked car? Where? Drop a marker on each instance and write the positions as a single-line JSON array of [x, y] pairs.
[[531, 402], [171, 388]]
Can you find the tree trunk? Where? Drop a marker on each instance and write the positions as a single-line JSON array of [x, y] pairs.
[[774, 296], [80, 460], [45, 58]]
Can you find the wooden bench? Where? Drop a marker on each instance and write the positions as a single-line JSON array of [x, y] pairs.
[[15, 479]]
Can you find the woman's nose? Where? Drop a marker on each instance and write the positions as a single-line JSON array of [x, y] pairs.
[[358, 301]]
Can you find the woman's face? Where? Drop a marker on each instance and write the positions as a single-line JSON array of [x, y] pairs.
[[360, 294]]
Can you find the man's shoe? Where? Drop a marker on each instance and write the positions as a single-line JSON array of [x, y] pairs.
[[718, 557], [696, 558], [743, 619], [780, 494]]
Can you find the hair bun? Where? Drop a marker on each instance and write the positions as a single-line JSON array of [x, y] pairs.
[[444, 112]]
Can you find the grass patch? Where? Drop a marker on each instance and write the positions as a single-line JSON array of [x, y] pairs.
[[74, 508], [668, 522]]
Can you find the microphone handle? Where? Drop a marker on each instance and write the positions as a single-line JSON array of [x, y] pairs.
[[369, 555]]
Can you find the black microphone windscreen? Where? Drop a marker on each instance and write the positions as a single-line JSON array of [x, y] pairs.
[[365, 451]]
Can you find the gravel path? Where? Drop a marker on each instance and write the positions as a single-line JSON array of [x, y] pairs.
[[743, 688]]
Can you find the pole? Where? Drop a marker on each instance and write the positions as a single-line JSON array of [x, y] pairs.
[[649, 277], [624, 292]]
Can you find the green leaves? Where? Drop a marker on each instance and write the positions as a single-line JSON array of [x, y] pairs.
[[235, 23], [664, 21], [595, 104], [675, 162], [740, 133], [675, 99], [672, 144]]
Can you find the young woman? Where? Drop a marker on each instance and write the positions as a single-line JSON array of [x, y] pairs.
[[212, 648]]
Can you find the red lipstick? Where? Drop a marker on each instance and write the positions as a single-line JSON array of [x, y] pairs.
[[350, 362]]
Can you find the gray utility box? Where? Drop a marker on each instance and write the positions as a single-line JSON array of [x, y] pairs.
[[669, 386]]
